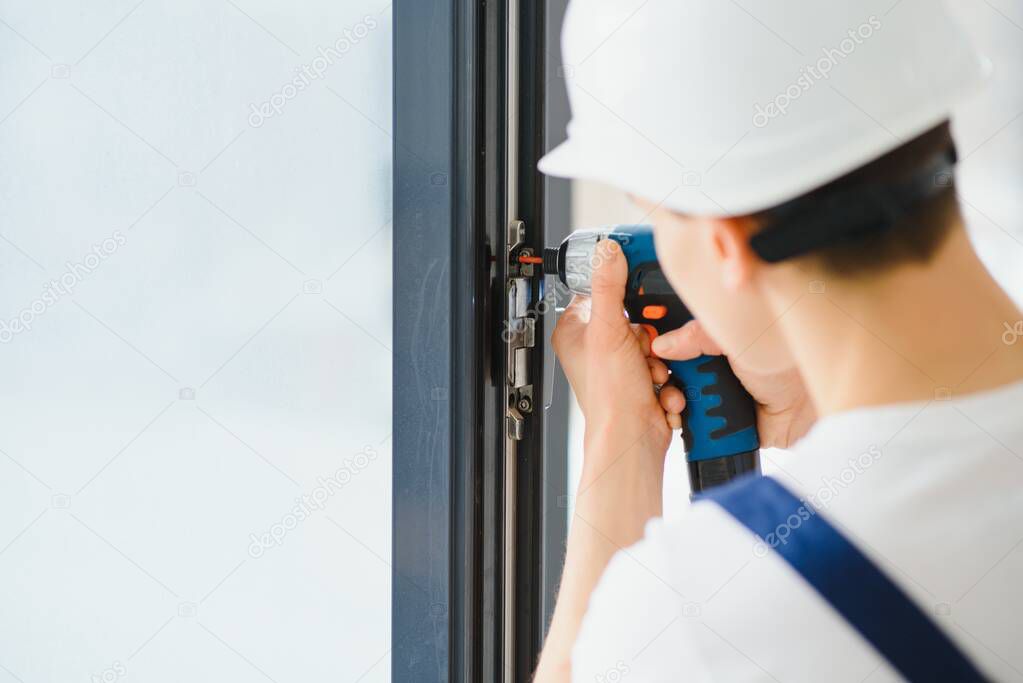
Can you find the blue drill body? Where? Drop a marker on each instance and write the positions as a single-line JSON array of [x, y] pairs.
[[719, 421]]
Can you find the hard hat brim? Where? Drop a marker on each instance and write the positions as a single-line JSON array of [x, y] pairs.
[[728, 189], [750, 177]]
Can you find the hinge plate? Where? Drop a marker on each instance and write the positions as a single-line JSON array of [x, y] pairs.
[[520, 333]]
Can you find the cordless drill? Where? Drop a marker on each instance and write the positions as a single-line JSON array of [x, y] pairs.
[[719, 428]]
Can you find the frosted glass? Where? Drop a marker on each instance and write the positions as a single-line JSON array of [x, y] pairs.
[[195, 321]]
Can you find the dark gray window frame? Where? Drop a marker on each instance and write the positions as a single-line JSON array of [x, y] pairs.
[[436, 392], [451, 193]]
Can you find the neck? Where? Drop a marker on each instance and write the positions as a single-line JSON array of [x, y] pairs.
[[914, 333]]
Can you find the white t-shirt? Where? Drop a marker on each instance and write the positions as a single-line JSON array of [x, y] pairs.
[[930, 492]]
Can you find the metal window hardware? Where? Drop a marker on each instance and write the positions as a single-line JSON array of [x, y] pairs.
[[520, 334]]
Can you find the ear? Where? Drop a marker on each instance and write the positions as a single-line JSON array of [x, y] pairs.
[[729, 242]]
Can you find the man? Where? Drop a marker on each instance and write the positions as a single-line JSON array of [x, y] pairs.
[[796, 162]]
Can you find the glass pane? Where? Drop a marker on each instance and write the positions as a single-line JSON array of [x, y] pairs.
[[195, 321]]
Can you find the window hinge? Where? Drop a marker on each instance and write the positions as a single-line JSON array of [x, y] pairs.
[[520, 332]]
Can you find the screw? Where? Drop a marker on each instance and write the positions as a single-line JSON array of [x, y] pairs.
[[525, 404]]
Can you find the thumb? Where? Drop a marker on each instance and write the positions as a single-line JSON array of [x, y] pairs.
[[689, 341], [610, 273]]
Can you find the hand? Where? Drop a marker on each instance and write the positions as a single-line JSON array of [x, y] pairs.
[[608, 362], [784, 410]]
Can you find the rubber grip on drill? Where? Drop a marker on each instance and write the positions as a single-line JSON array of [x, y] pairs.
[[720, 416]]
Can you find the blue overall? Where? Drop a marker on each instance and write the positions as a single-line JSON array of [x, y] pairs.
[[853, 585]]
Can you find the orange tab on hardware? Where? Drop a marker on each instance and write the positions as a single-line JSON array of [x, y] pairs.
[[654, 312]]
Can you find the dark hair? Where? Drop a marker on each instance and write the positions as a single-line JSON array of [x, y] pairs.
[[915, 237]]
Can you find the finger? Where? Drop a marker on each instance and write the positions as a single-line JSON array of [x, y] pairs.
[[578, 309], [643, 337], [687, 342], [658, 370], [608, 282], [674, 420], [671, 398], [571, 325]]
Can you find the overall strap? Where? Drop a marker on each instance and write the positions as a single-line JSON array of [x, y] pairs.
[[853, 585]]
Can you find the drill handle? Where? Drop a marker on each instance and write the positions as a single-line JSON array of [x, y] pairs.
[[719, 422]]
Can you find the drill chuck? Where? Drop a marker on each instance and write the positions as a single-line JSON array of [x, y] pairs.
[[553, 261]]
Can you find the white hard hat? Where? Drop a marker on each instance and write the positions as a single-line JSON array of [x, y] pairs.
[[728, 107]]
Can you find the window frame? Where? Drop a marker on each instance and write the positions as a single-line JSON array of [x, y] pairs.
[[479, 521]]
